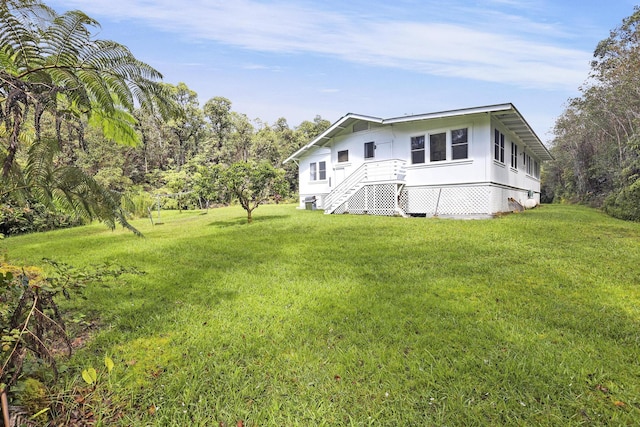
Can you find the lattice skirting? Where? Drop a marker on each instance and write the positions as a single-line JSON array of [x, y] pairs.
[[458, 200], [379, 199], [462, 200]]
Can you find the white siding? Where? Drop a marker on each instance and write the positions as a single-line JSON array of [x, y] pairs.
[[477, 184], [317, 188], [509, 177]]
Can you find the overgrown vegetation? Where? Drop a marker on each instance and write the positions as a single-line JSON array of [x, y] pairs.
[[55, 76], [307, 319], [596, 145], [85, 126], [33, 330]]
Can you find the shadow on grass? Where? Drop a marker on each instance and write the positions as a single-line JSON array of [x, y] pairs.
[[160, 313], [243, 220]]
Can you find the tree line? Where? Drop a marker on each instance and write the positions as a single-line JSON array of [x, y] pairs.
[[185, 154], [87, 131], [597, 137]]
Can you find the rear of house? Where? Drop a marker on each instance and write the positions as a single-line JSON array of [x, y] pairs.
[[471, 162]]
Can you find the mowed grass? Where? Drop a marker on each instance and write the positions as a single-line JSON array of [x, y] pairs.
[[308, 319]]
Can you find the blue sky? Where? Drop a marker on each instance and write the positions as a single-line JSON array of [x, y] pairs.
[[298, 59]]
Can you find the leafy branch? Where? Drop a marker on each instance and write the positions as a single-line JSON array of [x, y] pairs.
[[30, 319]]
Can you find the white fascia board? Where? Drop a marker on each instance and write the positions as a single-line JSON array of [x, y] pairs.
[[450, 113]]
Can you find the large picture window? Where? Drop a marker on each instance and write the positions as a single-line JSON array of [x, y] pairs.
[[459, 144], [448, 145], [417, 149], [438, 147], [369, 150], [498, 146]]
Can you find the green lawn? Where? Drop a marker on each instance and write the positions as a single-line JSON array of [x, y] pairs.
[[308, 319]]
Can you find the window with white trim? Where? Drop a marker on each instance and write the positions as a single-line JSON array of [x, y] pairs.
[[528, 164], [459, 144], [369, 150], [514, 155], [438, 147], [417, 149], [313, 171], [498, 146], [318, 171], [343, 156]]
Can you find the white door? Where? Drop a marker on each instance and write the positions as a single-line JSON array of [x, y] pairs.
[[340, 175], [384, 150]]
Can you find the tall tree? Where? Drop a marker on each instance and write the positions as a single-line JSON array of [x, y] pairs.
[[597, 138], [51, 65], [188, 124], [238, 146], [218, 111]]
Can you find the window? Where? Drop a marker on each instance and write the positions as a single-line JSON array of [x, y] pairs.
[[536, 169], [318, 171], [527, 163], [312, 171], [417, 149], [369, 150], [514, 155], [343, 156], [438, 147], [459, 144], [498, 151]]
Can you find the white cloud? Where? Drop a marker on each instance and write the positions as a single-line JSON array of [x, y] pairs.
[[518, 51], [261, 67]]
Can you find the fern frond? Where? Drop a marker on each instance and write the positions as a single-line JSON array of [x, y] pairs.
[[117, 126], [17, 39], [66, 37]]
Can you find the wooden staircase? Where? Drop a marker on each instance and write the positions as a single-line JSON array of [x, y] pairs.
[[372, 173]]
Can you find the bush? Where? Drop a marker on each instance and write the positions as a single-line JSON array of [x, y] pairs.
[[138, 203], [625, 203], [32, 328], [29, 218]]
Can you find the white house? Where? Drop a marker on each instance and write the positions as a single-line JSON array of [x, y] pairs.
[[469, 162]]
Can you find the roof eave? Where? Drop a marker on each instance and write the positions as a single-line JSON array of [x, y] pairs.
[[450, 113], [333, 130], [526, 133]]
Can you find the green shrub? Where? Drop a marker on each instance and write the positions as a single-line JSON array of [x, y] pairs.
[[138, 203], [625, 203], [32, 395], [16, 218]]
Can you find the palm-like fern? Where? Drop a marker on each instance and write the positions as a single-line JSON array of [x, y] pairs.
[[51, 64], [63, 187]]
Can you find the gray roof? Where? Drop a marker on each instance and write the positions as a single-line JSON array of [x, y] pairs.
[[507, 114]]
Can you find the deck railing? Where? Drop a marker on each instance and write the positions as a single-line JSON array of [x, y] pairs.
[[379, 171]]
